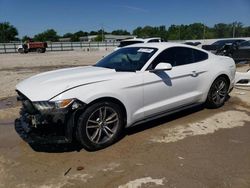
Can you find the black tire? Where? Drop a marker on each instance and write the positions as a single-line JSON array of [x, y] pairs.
[[20, 50], [95, 131], [39, 50], [44, 50], [218, 93]]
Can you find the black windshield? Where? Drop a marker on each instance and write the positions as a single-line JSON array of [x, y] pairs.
[[127, 59]]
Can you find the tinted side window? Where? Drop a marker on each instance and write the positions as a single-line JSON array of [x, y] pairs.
[[199, 55], [167, 56], [179, 56], [247, 43], [183, 56]]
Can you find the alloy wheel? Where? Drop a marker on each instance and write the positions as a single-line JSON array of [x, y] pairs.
[[102, 124], [219, 92]]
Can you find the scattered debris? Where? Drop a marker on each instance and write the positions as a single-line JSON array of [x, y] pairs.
[[67, 172], [79, 168]]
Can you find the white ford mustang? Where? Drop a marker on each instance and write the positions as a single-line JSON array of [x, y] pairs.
[[134, 84]]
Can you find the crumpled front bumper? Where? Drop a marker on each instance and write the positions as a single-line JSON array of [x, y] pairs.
[[39, 136], [52, 126]]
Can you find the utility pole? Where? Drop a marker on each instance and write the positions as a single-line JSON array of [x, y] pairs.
[[234, 29], [179, 32], [102, 33], [204, 31]]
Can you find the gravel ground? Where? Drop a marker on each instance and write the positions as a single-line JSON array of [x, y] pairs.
[[194, 148]]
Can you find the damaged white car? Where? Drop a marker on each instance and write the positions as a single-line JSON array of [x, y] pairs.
[[132, 85]]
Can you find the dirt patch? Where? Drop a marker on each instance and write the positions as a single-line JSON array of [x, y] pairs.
[[9, 102]]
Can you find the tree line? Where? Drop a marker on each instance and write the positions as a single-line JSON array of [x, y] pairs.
[[9, 33]]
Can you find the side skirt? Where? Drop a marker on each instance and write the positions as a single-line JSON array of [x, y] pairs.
[[164, 113]]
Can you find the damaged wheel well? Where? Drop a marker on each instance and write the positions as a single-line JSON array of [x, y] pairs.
[[226, 77], [76, 114]]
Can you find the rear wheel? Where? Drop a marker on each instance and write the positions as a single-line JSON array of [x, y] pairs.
[[100, 125], [40, 50], [217, 93]]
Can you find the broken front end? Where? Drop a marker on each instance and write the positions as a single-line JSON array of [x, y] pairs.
[[46, 122]]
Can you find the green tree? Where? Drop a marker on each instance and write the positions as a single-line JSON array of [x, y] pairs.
[[48, 35], [174, 32], [99, 38], [222, 30], [196, 30], [67, 35], [76, 36], [7, 32], [93, 33], [238, 29], [246, 31], [26, 38], [149, 31], [120, 32]]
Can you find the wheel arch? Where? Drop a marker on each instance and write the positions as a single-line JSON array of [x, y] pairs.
[[111, 99], [212, 81], [71, 126], [224, 76]]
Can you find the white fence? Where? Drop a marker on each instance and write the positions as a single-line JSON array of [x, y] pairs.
[[61, 46], [88, 46]]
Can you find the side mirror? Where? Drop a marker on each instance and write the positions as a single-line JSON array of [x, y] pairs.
[[162, 67]]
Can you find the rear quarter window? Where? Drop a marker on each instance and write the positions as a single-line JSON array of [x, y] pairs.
[[199, 55]]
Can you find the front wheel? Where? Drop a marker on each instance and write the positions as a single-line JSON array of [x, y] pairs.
[[100, 125], [20, 50], [218, 93]]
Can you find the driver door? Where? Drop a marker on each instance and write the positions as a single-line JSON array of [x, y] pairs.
[[172, 89]]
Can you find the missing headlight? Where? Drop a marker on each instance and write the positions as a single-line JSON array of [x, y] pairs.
[[44, 105]]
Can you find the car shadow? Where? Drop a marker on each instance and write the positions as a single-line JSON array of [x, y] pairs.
[[43, 143], [165, 77], [168, 118], [74, 146], [56, 148]]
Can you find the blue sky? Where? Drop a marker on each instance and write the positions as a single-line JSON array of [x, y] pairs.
[[33, 16]]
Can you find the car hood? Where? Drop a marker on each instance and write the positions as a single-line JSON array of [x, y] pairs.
[[47, 85]]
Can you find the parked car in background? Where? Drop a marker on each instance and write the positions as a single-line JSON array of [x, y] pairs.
[[192, 43], [132, 85], [240, 52], [127, 42], [218, 45]]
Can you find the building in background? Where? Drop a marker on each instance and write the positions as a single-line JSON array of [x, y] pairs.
[[107, 38]]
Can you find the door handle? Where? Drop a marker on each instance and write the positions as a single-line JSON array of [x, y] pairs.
[[194, 74]]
